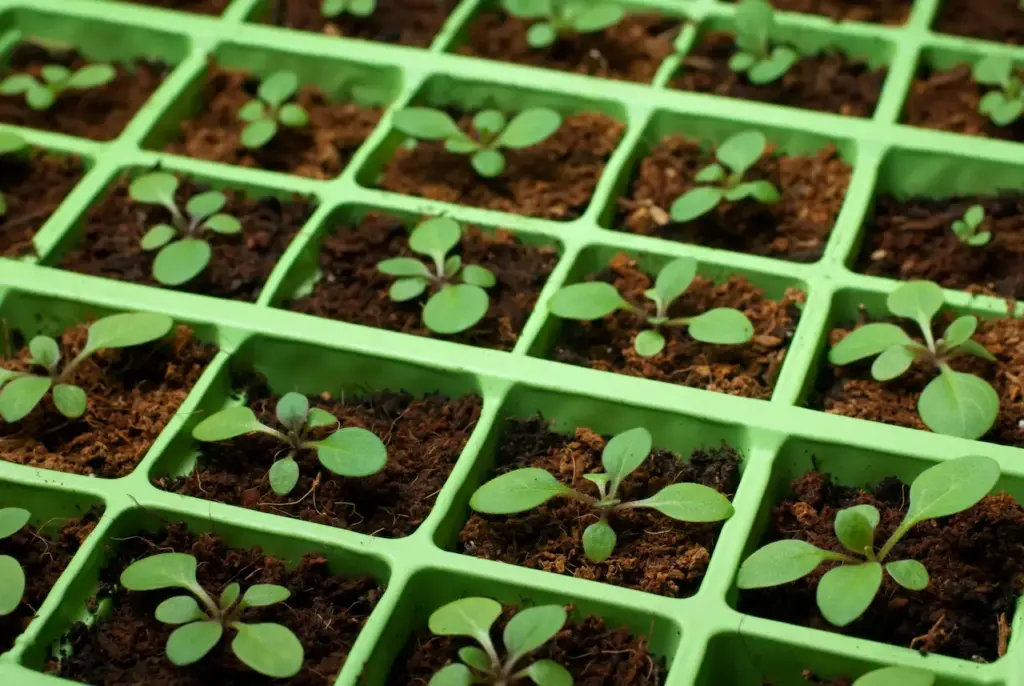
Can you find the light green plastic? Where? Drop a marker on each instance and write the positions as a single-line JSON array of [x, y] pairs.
[[702, 639]]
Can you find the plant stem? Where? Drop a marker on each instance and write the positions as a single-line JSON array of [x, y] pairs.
[[900, 532], [71, 366]]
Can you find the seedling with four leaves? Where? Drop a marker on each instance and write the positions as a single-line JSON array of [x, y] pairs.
[[761, 61], [561, 18], [10, 143], [57, 79], [271, 107], [525, 489], [357, 8], [967, 228], [12, 519], [1005, 105]]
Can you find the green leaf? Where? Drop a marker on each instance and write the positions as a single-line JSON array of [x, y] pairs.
[[229, 595], [722, 325], [855, 527], [12, 519], [844, 593], [489, 122], [741, 151], [461, 144], [284, 474], [713, 173], [531, 628], [156, 188], [761, 191], [471, 617], [92, 76], [1007, 113], [549, 673], [951, 487], [252, 111], [694, 203], [204, 204], [223, 224], [623, 453], [455, 308], [586, 301], [541, 35], [425, 124], [16, 84], [258, 133], [291, 410], [228, 423], [597, 17], [674, 279], [452, 266], [70, 400], [530, 127], [741, 62], [352, 452], [270, 649], [960, 330], [598, 541], [13, 587], [976, 349], [165, 570], [754, 19], [55, 74], [40, 97], [990, 102], [293, 116], [896, 676], [958, 404], [6, 375], [892, 363], [452, 675], [474, 657], [278, 87], [774, 67], [517, 491], [435, 237], [403, 266], [157, 237], [994, 70], [600, 480], [407, 289], [181, 261], [780, 563], [318, 418], [45, 351], [909, 574], [127, 330], [180, 609], [974, 215], [20, 396], [476, 275], [528, 9], [649, 343], [917, 300], [488, 163], [868, 340], [261, 595], [362, 8], [689, 502]]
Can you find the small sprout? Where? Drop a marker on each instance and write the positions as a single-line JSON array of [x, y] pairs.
[[845, 592], [525, 489], [596, 299], [896, 676], [526, 632], [183, 252], [953, 403], [455, 307], [563, 18], [13, 586], [493, 132], [358, 8], [9, 143], [270, 649], [966, 229], [41, 95], [20, 392], [757, 57], [271, 107], [1005, 105]]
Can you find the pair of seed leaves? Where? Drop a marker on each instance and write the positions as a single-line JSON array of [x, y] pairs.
[[561, 17], [1003, 106], [264, 112], [757, 58], [41, 95], [966, 229], [12, 587]]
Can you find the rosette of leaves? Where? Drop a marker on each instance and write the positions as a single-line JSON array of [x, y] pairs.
[[1005, 104], [896, 676], [56, 79], [10, 143], [967, 229], [761, 61], [12, 519], [525, 489], [560, 18], [271, 107], [357, 8]]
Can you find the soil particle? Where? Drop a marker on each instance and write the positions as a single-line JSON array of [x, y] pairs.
[[213, 7], [948, 100], [34, 185], [878, 11], [995, 20], [406, 22]]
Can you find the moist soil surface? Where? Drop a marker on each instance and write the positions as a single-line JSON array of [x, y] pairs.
[[973, 558], [948, 101], [133, 393], [198, 6], [424, 438], [995, 20], [406, 22], [34, 185], [748, 370], [554, 179], [631, 50], [878, 11], [352, 289], [654, 553], [324, 611], [240, 264], [913, 239], [97, 113], [795, 228], [319, 150], [828, 82]]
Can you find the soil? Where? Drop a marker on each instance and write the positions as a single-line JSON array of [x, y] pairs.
[[240, 264], [973, 558], [353, 290], [424, 438], [324, 611], [879, 11], [995, 20], [913, 239], [748, 370], [406, 22], [133, 393], [795, 228], [554, 179], [34, 185], [654, 553], [198, 6], [631, 50], [948, 101], [828, 82], [319, 150], [96, 113]]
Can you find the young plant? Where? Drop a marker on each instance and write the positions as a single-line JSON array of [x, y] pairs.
[[526, 632], [596, 299], [358, 8], [563, 18], [966, 229], [846, 591], [264, 112], [738, 154], [183, 252], [1006, 104], [13, 586], [41, 95], [525, 489], [953, 403], [896, 676], [493, 132], [350, 451], [10, 143], [757, 57], [20, 392], [454, 307], [270, 649]]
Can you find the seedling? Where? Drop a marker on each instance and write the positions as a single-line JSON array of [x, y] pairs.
[[526, 632], [757, 57], [358, 8], [20, 392], [350, 451], [41, 95], [493, 132], [596, 299], [525, 489], [454, 307], [264, 112], [183, 252], [563, 18], [1005, 105], [845, 592], [896, 676], [738, 154], [953, 403], [270, 649], [966, 229], [13, 586], [9, 143]]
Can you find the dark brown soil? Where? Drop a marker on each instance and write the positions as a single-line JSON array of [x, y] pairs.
[[914, 239], [829, 82], [96, 113], [197, 6], [948, 100], [133, 393], [996, 20], [795, 228], [424, 438], [240, 264], [748, 370], [34, 185], [406, 22], [353, 290], [319, 150], [554, 179], [631, 50], [654, 553], [879, 11], [324, 611], [974, 560]]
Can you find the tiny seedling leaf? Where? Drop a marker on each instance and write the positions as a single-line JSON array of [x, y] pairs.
[[476, 275], [165, 570], [452, 265], [12, 519], [20, 396], [435, 237], [127, 330], [228, 423], [489, 121], [586, 301], [403, 266], [868, 340], [950, 487], [909, 574], [977, 349], [91, 76], [778, 63], [958, 404], [204, 204], [270, 649], [994, 70], [284, 474], [517, 491], [722, 325], [596, 17], [293, 116], [158, 236], [689, 502], [452, 675], [45, 351], [13, 587], [407, 289], [530, 127], [278, 87], [855, 527], [258, 133], [712, 173], [741, 151], [353, 452], [844, 593], [156, 188], [541, 35], [531, 628], [229, 595], [695, 203], [291, 410], [223, 224], [180, 609], [261, 595], [780, 563], [252, 111], [649, 343], [318, 418], [181, 261], [674, 279], [488, 163], [892, 363], [471, 617], [599, 541], [917, 300], [549, 673], [474, 657], [624, 453], [960, 330], [425, 124], [455, 308], [70, 400]]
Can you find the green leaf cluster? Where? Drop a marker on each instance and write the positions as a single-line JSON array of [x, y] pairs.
[[846, 591], [967, 228], [561, 18], [455, 306], [358, 8], [268, 648], [20, 392], [493, 132], [597, 299], [56, 79], [953, 403], [264, 112], [757, 57], [1005, 105], [525, 489], [9, 143], [13, 586], [526, 632], [896, 676]]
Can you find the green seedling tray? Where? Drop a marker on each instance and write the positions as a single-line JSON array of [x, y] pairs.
[[702, 639]]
